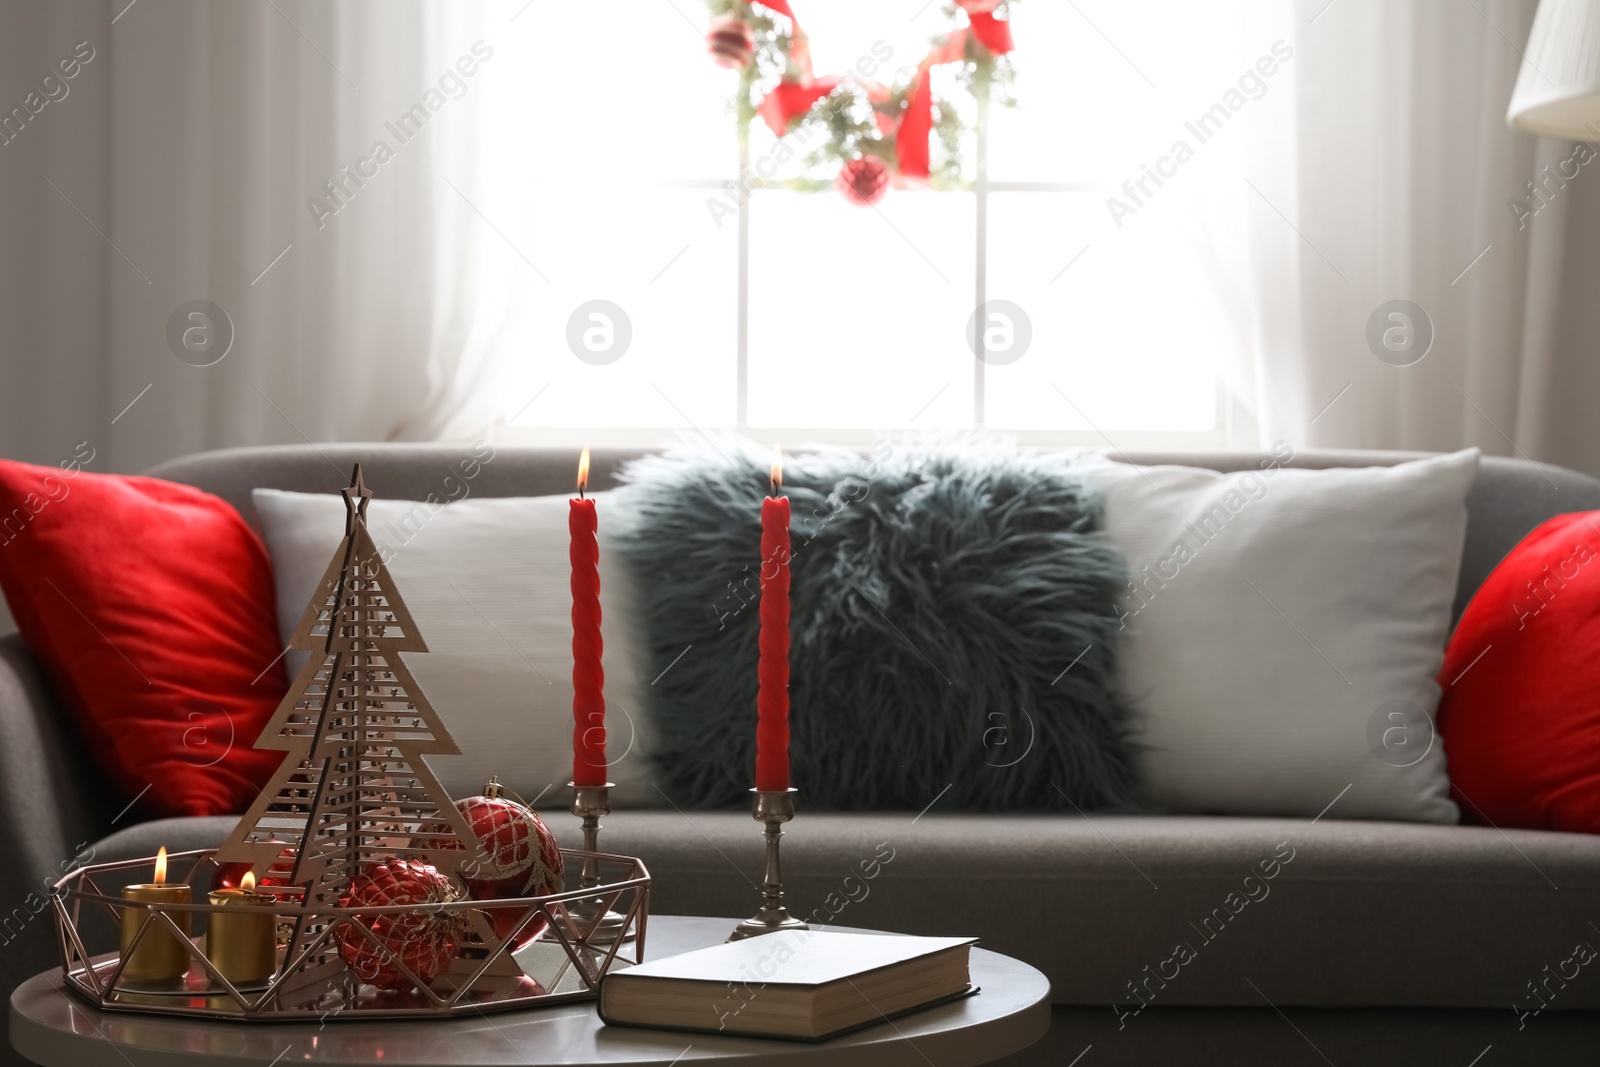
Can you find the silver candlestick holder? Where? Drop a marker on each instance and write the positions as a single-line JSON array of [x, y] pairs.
[[589, 803], [774, 807]]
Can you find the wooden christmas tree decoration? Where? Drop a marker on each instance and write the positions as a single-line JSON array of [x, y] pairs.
[[354, 787]]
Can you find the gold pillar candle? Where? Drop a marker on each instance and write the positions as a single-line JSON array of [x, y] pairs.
[[160, 956], [241, 939]]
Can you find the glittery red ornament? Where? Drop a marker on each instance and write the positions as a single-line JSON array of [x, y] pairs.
[[863, 180], [731, 43], [425, 942], [518, 857]]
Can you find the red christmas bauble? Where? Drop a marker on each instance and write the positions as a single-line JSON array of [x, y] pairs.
[[863, 180], [425, 942], [731, 43], [517, 857]]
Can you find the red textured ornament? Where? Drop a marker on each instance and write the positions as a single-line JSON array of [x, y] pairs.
[[519, 858], [426, 943], [731, 43], [863, 180]]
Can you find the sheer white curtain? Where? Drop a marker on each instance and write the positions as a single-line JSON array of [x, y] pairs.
[[1386, 172], [185, 164], [218, 165]]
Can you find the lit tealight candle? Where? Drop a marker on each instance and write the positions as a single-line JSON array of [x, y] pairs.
[[241, 941], [160, 956]]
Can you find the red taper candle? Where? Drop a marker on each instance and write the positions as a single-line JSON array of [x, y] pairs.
[[588, 676], [772, 694]]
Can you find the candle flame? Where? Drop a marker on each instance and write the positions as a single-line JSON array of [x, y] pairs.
[[777, 466], [583, 471], [248, 882], [161, 865]]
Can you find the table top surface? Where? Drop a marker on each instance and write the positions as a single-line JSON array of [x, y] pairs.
[[1011, 1011]]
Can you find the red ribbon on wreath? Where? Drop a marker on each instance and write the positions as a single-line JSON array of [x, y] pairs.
[[790, 99], [911, 143], [994, 33]]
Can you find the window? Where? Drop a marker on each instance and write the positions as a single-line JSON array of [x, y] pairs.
[[805, 316]]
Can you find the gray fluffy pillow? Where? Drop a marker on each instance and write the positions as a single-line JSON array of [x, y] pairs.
[[939, 597]]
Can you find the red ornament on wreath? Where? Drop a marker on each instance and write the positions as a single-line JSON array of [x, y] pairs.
[[863, 180], [731, 43], [518, 857], [425, 943]]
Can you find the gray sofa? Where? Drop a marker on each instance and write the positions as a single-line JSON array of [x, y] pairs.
[[1381, 943]]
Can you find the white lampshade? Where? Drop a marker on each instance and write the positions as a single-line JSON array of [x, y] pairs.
[[1558, 87]]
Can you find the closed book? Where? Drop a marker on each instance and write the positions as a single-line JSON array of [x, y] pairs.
[[797, 984]]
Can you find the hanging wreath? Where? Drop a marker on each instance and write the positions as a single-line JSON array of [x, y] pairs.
[[872, 135]]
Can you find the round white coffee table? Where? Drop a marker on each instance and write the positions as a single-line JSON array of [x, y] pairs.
[[1012, 1011]]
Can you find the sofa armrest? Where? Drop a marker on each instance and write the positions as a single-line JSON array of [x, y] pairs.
[[52, 807]]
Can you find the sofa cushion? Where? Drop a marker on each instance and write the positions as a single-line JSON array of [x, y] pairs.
[[1519, 717], [488, 584], [149, 605], [1334, 913], [953, 627], [1278, 621]]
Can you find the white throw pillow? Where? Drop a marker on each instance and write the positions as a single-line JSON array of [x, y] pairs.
[[1284, 629], [487, 581]]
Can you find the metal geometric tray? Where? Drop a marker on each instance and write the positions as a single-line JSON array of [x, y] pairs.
[[564, 963]]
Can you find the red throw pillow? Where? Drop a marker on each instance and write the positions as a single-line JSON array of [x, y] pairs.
[[150, 606], [1520, 718]]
